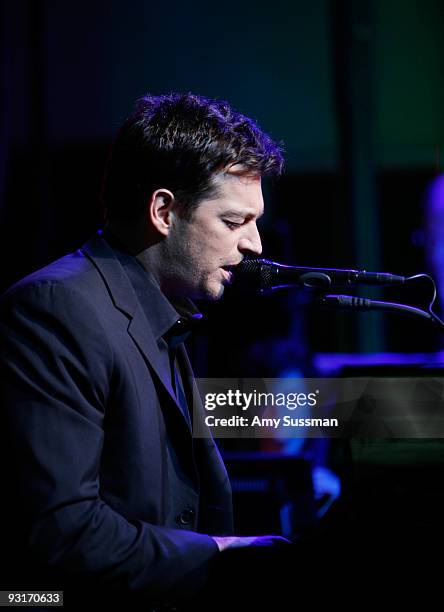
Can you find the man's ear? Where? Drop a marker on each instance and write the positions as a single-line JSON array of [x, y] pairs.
[[159, 211]]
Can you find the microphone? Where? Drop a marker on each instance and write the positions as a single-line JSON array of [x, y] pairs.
[[265, 275]]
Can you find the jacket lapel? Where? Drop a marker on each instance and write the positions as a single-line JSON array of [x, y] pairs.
[[125, 300]]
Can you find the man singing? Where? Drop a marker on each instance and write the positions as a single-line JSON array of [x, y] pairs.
[[104, 488]]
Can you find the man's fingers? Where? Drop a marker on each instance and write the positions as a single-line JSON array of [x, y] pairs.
[[270, 540], [250, 541]]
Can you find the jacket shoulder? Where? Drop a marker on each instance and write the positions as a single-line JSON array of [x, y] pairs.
[[72, 272]]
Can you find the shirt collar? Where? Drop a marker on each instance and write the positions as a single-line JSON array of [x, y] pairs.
[[184, 325]]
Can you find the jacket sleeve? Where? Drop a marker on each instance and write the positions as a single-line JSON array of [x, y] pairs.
[[56, 365]]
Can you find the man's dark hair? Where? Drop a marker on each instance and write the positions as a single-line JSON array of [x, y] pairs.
[[180, 142]]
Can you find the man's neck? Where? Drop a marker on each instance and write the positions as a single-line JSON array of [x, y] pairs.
[[133, 240]]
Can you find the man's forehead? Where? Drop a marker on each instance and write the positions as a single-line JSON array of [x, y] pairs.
[[240, 195]]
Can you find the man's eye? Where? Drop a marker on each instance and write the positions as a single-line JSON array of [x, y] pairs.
[[232, 224]]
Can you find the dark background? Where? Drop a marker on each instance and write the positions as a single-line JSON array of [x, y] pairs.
[[354, 89]]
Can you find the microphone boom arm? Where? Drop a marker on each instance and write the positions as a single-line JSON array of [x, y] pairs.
[[265, 276], [350, 302]]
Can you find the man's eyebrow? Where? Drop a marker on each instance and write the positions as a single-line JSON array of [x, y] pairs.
[[241, 213]]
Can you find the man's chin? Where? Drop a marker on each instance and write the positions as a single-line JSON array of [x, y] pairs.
[[213, 293]]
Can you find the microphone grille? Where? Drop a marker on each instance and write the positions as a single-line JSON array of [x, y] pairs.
[[255, 274]]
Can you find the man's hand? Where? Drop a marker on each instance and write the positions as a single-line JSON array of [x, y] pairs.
[[240, 542]]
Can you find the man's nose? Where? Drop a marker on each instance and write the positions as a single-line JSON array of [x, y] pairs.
[[251, 241]]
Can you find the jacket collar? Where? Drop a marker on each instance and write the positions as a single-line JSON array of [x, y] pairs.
[[118, 285], [124, 299]]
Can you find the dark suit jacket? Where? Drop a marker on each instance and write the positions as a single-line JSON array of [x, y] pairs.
[[102, 481]]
